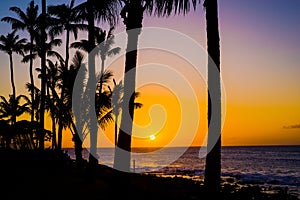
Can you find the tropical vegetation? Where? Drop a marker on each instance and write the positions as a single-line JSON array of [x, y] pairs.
[[58, 76]]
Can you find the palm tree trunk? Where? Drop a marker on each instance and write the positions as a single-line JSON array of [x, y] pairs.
[[67, 49], [31, 79], [12, 84], [43, 79], [78, 145], [53, 145], [93, 158], [133, 20], [60, 125], [212, 179], [101, 74], [122, 155], [116, 129]]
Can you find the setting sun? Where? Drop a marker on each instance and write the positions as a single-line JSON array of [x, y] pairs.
[[152, 137]]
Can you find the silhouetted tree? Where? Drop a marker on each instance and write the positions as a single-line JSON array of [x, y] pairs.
[[26, 20], [104, 11], [212, 179], [70, 75], [117, 101], [43, 26], [11, 44], [213, 159], [12, 108], [66, 18], [132, 14]]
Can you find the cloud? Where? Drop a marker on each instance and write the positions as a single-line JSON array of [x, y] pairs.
[[295, 126]]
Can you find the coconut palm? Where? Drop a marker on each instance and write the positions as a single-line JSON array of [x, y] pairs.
[[213, 159], [212, 179], [75, 125], [104, 42], [105, 11], [52, 73], [12, 44], [105, 49], [117, 101], [66, 19], [132, 14], [12, 108], [42, 29], [26, 20]]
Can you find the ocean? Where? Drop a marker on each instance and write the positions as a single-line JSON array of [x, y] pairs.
[[262, 165]]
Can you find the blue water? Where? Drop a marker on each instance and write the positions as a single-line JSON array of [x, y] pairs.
[[265, 165]]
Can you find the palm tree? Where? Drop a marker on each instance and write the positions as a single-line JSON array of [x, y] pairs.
[[67, 19], [105, 11], [43, 26], [10, 44], [105, 42], [132, 14], [52, 73], [48, 46], [212, 179], [34, 105], [27, 20], [69, 75], [12, 108], [117, 101]]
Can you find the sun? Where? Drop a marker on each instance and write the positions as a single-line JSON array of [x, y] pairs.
[[152, 137]]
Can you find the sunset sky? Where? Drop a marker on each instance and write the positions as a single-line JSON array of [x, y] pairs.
[[260, 63]]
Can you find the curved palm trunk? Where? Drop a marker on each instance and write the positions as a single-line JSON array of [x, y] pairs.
[[12, 83], [133, 18], [212, 179], [31, 79]]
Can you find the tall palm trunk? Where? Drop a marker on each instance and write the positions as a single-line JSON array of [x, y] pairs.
[[31, 78], [60, 124], [133, 18], [93, 159], [43, 77], [12, 83], [212, 179]]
